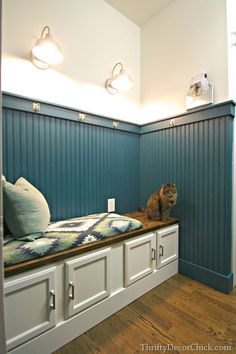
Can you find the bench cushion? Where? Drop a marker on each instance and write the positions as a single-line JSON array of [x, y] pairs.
[[62, 235]]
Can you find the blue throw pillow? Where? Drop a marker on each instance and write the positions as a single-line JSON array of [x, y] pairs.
[[25, 209]]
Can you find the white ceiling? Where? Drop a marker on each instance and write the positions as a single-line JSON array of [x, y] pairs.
[[139, 11]]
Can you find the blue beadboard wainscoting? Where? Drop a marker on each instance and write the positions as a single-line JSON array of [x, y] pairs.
[[78, 162], [76, 165], [195, 152]]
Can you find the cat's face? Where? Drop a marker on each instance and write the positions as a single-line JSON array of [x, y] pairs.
[[169, 189]]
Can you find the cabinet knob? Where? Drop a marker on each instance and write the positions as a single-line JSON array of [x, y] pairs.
[[53, 304], [72, 286], [161, 250]]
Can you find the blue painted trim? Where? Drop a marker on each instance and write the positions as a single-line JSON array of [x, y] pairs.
[[206, 276], [21, 103], [25, 104], [214, 111]]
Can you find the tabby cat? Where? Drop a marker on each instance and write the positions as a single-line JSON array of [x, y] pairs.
[[160, 203]]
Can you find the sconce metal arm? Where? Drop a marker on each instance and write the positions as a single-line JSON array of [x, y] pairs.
[[113, 70]]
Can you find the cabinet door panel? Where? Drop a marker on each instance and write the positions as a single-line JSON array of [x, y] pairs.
[[29, 306], [167, 241], [88, 280], [139, 256]]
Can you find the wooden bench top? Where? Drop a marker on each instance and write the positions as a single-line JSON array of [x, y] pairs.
[[148, 226]]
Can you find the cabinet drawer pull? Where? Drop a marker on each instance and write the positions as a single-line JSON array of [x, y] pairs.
[[72, 295], [161, 248], [53, 304], [153, 254]]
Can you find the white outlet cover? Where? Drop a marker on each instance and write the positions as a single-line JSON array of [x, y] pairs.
[[111, 205]]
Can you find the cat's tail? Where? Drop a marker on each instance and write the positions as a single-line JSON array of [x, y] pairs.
[[141, 208]]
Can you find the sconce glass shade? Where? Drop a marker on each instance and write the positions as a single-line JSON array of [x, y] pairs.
[[46, 50], [118, 82]]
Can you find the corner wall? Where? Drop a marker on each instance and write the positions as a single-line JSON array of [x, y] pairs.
[[2, 310], [231, 11], [183, 40], [196, 154]]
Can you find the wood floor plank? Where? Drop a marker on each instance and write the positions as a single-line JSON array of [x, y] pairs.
[[197, 318], [204, 304], [179, 312]]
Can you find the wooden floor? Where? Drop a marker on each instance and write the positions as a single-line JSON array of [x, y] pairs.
[[180, 312]]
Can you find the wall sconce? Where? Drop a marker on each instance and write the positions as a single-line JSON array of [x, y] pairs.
[[118, 82], [46, 50]]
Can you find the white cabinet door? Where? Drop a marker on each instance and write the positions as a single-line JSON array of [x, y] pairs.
[[139, 257], [167, 241], [29, 306], [87, 280]]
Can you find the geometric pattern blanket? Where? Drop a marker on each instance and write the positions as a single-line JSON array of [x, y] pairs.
[[62, 235]]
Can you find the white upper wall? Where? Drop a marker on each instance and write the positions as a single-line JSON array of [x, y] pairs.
[[184, 39], [94, 37], [231, 22]]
